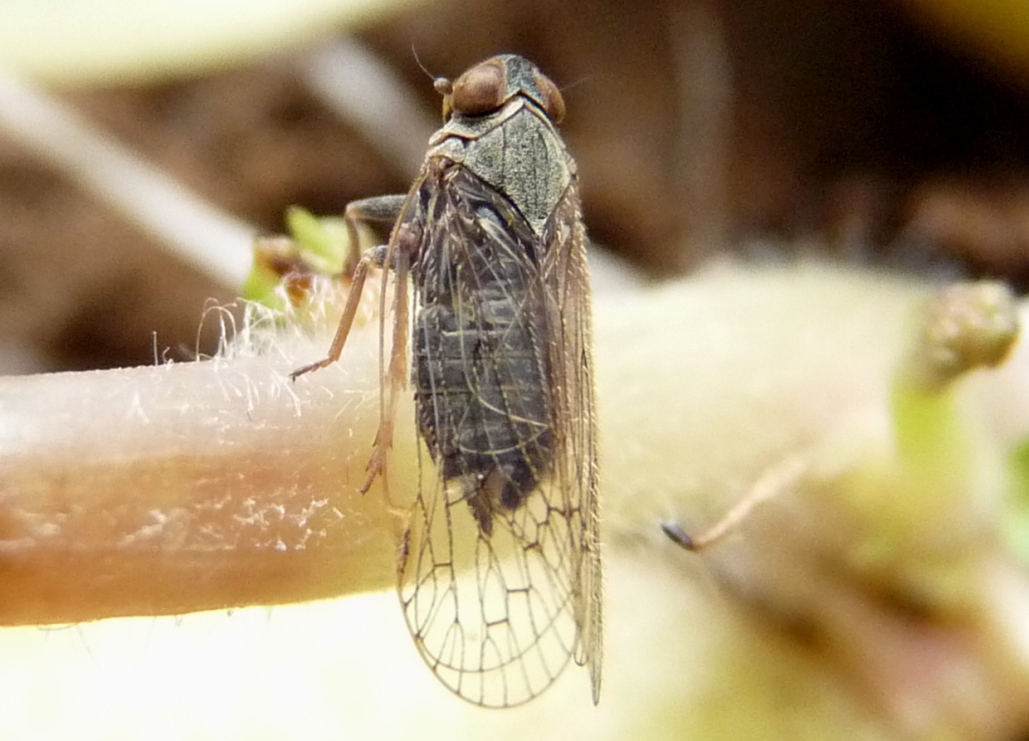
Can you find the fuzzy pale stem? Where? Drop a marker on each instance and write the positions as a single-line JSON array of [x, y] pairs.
[[166, 490]]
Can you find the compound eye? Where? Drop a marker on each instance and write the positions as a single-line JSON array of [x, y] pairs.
[[553, 101], [480, 90]]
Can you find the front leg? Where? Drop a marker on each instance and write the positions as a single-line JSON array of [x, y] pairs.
[[397, 256], [375, 256], [378, 209], [374, 210]]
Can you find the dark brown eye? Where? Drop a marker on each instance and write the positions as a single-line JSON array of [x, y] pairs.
[[479, 90], [553, 101]]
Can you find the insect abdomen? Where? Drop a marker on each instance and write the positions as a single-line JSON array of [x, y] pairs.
[[480, 390]]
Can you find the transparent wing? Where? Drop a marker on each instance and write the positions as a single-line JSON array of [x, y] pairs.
[[499, 574], [570, 317]]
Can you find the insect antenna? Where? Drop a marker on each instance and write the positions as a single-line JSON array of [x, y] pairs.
[[422, 67]]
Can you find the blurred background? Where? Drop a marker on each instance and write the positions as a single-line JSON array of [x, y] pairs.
[[144, 145], [881, 131]]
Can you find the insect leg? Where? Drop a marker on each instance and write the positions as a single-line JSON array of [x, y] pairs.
[[779, 478], [383, 209], [396, 375], [374, 256], [377, 209]]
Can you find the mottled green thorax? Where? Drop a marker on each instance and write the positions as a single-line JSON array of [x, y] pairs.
[[502, 126]]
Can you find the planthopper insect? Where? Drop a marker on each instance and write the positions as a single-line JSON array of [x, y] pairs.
[[499, 574]]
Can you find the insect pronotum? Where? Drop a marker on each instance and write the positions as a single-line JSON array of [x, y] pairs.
[[499, 575]]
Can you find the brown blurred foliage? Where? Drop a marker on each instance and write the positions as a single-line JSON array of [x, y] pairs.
[[700, 126]]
